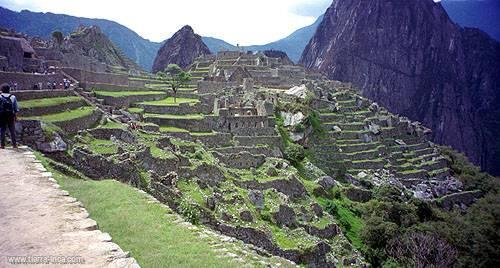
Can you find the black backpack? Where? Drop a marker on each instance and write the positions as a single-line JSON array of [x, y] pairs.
[[6, 106]]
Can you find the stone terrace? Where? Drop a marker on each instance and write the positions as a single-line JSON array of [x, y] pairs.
[[360, 136]]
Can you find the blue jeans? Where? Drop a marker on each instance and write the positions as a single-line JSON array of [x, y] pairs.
[[10, 123]]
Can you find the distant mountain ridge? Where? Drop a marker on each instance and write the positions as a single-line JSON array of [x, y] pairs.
[[138, 49], [480, 14], [293, 44]]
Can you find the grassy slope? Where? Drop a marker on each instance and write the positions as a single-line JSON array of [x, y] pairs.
[[170, 101], [47, 102], [64, 116], [126, 93], [174, 116], [141, 227]]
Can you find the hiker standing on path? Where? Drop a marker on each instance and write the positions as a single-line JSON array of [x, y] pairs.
[[8, 111]]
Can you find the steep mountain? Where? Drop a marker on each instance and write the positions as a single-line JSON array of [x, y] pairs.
[[410, 57], [215, 45], [135, 47], [88, 47], [182, 48], [482, 14]]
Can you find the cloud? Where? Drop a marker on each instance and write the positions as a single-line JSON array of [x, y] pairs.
[[236, 21]]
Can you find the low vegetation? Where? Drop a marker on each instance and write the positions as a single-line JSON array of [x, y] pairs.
[[64, 116]]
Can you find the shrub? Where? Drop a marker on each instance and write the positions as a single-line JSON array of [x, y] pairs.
[[299, 128], [190, 211], [295, 153]]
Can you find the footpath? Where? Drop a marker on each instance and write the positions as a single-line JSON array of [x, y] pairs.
[[41, 224]]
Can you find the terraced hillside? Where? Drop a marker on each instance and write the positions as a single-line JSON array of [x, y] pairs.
[[293, 172], [57, 110], [360, 136]]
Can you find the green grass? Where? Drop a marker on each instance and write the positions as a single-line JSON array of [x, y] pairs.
[[199, 134], [47, 102], [112, 124], [173, 130], [170, 102], [126, 93], [174, 116], [160, 153], [141, 227], [135, 110], [351, 224], [64, 116], [103, 147]]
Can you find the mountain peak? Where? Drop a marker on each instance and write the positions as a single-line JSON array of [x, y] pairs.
[[187, 28], [181, 49], [411, 58]]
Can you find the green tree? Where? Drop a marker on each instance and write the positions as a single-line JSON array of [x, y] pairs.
[[58, 37], [175, 76]]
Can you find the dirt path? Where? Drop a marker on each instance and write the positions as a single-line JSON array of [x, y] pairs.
[[39, 220]]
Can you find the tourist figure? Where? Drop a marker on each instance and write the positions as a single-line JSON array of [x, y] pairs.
[[8, 111]]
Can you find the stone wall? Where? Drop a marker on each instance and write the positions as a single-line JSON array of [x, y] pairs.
[[272, 141], [229, 124], [107, 133], [125, 101], [215, 140], [213, 86], [263, 150], [136, 83], [40, 94], [181, 109], [93, 77], [107, 87], [26, 81], [26, 112], [206, 124], [265, 131], [77, 124], [241, 160], [30, 133]]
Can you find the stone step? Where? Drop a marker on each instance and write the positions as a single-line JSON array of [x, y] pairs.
[[440, 173], [272, 141], [355, 147], [346, 135], [417, 173], [264, 150], [367, 164], [345, 126]]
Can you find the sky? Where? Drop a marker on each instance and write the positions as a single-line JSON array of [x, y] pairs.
[[241, 22]]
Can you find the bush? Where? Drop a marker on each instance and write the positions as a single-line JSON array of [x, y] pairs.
[[295, 153], [190, 211], [299, 128]]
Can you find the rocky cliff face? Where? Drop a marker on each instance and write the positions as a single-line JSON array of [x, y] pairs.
[[88, 45], [410, 57], [181, 49]]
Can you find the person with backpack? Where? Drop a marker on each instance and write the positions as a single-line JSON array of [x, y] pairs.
[[8, 111]]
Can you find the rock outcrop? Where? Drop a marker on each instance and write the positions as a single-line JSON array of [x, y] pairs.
[[411, 58], [91, 43], [181, 49]]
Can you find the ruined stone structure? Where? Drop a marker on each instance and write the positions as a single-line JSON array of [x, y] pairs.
[[268, 68], [221, 154]]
